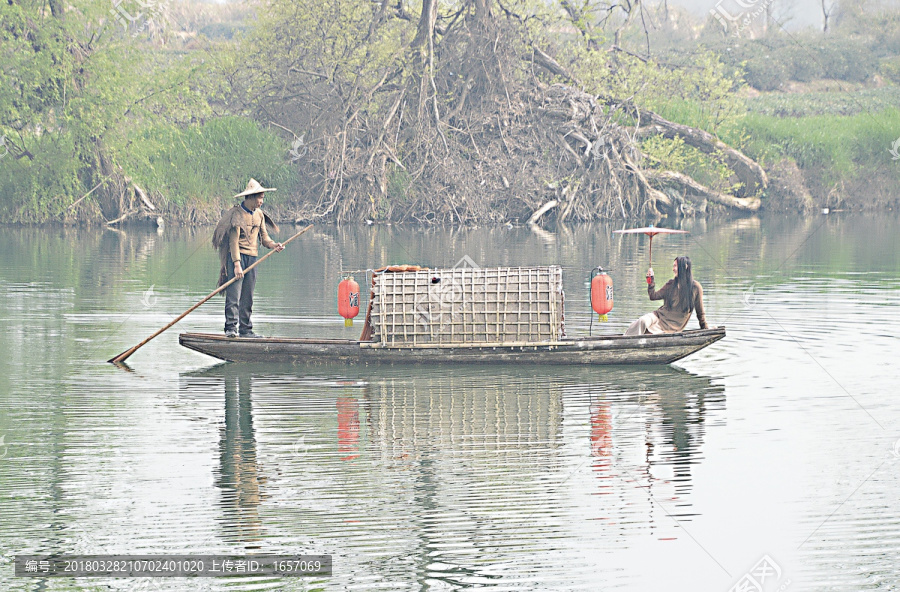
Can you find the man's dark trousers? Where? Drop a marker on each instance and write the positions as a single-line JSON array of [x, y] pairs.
[[239, 297]]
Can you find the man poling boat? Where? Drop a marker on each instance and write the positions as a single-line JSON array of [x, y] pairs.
[[237, 238], [120, 359]]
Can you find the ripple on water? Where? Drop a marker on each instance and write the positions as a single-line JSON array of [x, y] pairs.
[[775, 441]]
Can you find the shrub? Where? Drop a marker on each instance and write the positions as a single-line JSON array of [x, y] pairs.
[[890, 68], [209, 160], [844, 59], [801, 66], [766, 73], [40, 189], [770, 62]]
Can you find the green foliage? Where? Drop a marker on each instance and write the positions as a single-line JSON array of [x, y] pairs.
[[77, 91], [39, 189], [765, 62], [327, 37], [673, 155], [766, 74], [701, 95], [890, 68], [845, 59], [771, 62], [47, 121], [398, 184], [208, 161], [800, 65], [841, 147], [877, 26], [36, 68]]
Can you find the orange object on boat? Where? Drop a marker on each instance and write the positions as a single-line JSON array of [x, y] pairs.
[[399, 268], [602, 294], [348, 300]]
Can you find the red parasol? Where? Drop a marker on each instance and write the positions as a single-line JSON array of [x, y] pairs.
[[650, 231]]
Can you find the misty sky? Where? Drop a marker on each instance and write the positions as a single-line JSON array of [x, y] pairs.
[[801, 13], [797, 14]]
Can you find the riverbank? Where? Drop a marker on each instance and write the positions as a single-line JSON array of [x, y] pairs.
[[185, 176], [812, 163], [828, 149], [548, 127]]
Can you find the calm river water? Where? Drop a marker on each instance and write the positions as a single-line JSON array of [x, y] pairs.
[[773, 454]]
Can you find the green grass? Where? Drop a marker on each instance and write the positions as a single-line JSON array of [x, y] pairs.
[[843, 135], [216, 159], [843, 147], [825, 103], [696, 114], [181, 165]]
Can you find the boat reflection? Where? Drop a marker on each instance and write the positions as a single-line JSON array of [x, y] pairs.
[[615, 446], [647, 431]]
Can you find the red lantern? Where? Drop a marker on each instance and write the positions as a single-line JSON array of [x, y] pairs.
[[348, 300], [602, 294]]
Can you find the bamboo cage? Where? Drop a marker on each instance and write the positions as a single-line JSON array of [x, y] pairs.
[[469, 305]]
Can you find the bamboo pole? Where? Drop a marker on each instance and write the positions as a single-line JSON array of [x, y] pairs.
[[127, 353]]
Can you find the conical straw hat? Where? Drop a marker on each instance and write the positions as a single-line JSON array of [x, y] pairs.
[[253, 187]]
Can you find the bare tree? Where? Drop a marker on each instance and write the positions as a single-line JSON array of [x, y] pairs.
[[827, 11], [425, 30]]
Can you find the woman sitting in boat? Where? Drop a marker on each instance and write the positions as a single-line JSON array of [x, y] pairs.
[[680, 295]]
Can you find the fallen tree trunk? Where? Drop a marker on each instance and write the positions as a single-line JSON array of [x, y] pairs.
[[541, 58], [688, 185], [122, 218], [747, 170], [542, 210], [145, 201]]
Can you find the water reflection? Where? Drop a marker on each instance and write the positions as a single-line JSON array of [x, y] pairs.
[[514, 477], [348, 427], [647, 428], [239, 479], [459, 475]]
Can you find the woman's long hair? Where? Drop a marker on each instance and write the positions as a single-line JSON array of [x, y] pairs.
[[684, 286]]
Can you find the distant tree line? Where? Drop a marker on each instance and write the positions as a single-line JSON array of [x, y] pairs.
[[428, 111]]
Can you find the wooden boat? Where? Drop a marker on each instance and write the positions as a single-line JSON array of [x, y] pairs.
[[603, 350]]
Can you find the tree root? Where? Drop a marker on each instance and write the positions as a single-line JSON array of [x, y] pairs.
[[542, 210], [470, 137]]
